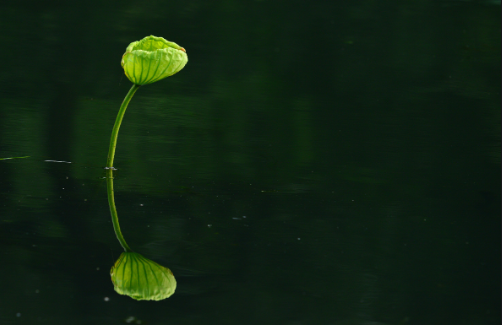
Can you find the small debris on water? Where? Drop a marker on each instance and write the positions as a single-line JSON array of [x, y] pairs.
[[58, 161]]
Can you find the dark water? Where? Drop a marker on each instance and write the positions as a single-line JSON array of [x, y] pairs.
[[314, 163]]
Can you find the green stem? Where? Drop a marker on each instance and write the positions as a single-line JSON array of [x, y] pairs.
[[109, 167], [116, 127], [113, 210]]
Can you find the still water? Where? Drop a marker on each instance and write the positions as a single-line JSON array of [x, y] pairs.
[[314, 163]]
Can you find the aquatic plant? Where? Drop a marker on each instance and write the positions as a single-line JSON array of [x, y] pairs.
[[146, 61]]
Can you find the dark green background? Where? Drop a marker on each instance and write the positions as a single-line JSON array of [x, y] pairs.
[[316, 162]]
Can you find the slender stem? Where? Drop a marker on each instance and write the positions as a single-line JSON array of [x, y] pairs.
[[109, 165], [116, 127], [113, 210]]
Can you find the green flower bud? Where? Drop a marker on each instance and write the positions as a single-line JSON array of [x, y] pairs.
[[152, 59], [142, 279]]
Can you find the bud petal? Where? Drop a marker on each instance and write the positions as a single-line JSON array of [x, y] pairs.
[[141, 278], [152, 59]]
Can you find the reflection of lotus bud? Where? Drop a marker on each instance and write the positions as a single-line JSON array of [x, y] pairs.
[[152, 59], [141, 278]]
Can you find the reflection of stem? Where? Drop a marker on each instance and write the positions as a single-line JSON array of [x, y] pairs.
[[109, 167], [113, 210], [116, 127]]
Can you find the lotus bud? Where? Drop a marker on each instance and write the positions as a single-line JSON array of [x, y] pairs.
[[141, 278], [152, 59]]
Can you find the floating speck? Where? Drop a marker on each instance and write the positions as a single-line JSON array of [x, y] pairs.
[[106, 299]]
